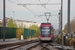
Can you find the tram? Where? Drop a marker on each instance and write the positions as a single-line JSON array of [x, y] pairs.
[[46, 32]]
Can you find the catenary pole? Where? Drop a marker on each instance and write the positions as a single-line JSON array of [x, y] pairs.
[[68, 19], [61, 21], [3, 20]]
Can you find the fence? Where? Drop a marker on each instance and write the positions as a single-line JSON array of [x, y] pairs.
[[9, 32], [29, 33]]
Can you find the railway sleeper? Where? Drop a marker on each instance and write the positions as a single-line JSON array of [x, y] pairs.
[[44, 46]]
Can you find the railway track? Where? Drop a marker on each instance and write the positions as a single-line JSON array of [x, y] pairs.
[[49, 46], [43, 46], [31, 45]]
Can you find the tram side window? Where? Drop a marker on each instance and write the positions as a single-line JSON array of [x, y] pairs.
[[52, 31]]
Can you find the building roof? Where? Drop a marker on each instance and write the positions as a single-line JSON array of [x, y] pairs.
[[25, 21]]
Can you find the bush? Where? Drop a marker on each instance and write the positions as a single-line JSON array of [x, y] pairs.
[[74, 44], [26, 37], [73, 39], [57, 40], [59, 36], [18, 33], [60, 41], [67, 42], [70, 42], [33, 36]]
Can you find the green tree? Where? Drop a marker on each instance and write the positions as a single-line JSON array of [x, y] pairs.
[[15, 25], [12, 23], [36, 28], [22, 28]]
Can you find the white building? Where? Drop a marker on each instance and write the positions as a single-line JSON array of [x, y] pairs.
[[26, 23]]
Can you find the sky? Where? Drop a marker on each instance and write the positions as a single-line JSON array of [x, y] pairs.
[[18, 12]]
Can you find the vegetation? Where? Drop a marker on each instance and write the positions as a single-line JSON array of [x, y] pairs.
[[22, 28], [59, 36], [18, 33], [72, 27], [12, 23], [36, 28]]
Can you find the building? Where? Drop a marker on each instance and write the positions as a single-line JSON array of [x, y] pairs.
[[6, 22], [1, 23], [26, 23]]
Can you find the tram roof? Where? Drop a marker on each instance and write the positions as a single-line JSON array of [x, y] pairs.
[[46, 23]]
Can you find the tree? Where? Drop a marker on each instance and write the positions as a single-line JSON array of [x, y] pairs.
[[12, 23], [15, 25], [22, 28], [72, 26], [18, 33], [36, 28]]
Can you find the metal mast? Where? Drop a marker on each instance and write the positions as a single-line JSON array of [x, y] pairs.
[[3, 20]]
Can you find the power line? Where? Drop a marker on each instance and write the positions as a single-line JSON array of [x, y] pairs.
[[33, 1], [44, 15], [20, 3], [16, 3], [41, 4], [24, 6], [44, 4], [12, 1]]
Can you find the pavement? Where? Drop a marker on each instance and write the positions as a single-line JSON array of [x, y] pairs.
[[7, 41], [14, 40]]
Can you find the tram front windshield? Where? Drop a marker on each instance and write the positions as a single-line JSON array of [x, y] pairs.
[[45, 30]]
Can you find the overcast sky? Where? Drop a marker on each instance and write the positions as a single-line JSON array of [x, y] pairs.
[[22, 13]]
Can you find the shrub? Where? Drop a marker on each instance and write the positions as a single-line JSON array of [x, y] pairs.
[[74, 44], [59, 36], [73, 39], [33, 36], [18, 33]]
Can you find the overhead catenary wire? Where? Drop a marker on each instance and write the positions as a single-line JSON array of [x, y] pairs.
[[43, 5], [32, 2], [20, 3], [12, 2], [24, 6]]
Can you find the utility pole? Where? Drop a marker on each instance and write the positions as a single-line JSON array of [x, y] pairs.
[[68, 19], [49, 14], [61, 23], [3, 20]]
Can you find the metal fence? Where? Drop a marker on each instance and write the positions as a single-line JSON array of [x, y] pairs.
[[29, 33], [9, 32]]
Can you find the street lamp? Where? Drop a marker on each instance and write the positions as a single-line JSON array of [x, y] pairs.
[[59, 20], [14, 14]]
